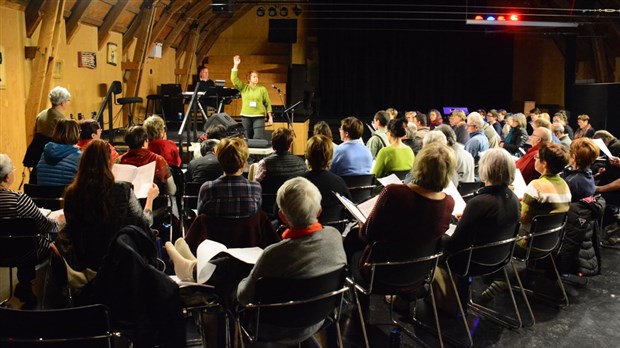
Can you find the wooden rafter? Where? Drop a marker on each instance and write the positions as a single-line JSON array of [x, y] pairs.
[[73, 21], [190, 54], [165, 18], [139, 57], [172, 36], [51, 20], [133, 28], [33, 16], [110, 20]]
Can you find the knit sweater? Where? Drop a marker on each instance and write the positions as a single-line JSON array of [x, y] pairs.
[[256, 102], [548, 194], [391, 159]]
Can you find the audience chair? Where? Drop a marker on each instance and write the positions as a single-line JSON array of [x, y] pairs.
[[48, 197], [199, 300], [19, 241], [335, 217], [399, 270], [481, 260], [292, 304], [189, 203], [544, 241], [401, 174], [270, 185], [65, 276], [468, 189], [87, 326], [360, 186], [162, 215]]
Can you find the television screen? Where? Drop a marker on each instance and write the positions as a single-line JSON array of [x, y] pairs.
[[447, 110]]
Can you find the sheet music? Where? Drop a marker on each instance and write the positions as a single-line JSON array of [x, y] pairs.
[[140, 177], [351, 207], [519, 184], [459, 203], [601, 145], [367, 206], [209, 249], [390, 179]]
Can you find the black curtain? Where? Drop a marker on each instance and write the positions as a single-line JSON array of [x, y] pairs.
[[365, 70]]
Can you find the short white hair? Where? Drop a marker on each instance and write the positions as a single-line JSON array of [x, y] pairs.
[[497, 167], [435, 136], [58, 95], [299, 201], [476, 119], [6, 166]]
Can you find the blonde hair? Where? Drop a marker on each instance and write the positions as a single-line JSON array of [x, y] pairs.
[[155, 127], [434, 166], [232, 153]]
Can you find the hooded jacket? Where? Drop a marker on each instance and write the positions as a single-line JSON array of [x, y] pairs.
[[580, 182], [58, 164]]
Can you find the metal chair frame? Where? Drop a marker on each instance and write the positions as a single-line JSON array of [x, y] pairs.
[[426, 277], [198, 310]]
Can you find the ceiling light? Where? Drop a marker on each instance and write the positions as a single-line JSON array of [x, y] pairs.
[[297, 10], [260, 11], [272, 11], [524, 23], [284, 11]]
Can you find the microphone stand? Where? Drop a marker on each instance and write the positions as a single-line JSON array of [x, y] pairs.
[[289, 119]]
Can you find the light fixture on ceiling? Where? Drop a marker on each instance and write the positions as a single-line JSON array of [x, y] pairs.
[[297, 10], [272, 11], [283, 11], [523, 23], [260, 11]]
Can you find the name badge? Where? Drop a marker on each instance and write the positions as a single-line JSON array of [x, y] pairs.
[[252, 104]]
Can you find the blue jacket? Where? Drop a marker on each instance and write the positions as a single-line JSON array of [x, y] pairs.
[[351, 158], [58, 164]]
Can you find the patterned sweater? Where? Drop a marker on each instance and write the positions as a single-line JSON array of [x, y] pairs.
[[548, 194]]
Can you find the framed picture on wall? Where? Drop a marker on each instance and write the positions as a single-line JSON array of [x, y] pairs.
[[112, 53], [87, 60]]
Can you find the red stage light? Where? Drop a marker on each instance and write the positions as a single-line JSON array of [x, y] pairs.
[[514, 17], [501, 18], [478, 18]]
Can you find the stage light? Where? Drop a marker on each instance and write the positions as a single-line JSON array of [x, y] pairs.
[[297, 10], [478, 18], [284, 11], [490, 18], [272, 11], [501, 18], [514, 17], [260, 11]]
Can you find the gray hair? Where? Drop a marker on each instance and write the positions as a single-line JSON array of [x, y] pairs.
[[58, 95], [299, 201], [6, 166], [475, 119], [208, 146], [448, 132], [496, 167], [435, 136], [557, 127], [520, 119]]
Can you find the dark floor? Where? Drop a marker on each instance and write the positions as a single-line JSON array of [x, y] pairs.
[[591, 320]]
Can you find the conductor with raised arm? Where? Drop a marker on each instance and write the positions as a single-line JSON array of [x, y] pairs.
[[255, 100]]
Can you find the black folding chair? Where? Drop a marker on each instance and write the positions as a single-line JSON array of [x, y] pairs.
[[480, 260], [360, 186], [292, 304], [19, 243], [200, 300], [399, 270], [49, 197], [87, 326], [270, 185], [468, 189], [544, 241], [189, 202]]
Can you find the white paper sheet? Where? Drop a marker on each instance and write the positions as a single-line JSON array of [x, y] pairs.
[[140, 177], [390, 179], [519, 184], [601, 145], [459, 202], [208, 249]]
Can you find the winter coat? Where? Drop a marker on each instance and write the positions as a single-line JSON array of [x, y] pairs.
[[58, 164]]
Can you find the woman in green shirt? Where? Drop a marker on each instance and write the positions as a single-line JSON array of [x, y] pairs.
[[255, 100], [397, 156]]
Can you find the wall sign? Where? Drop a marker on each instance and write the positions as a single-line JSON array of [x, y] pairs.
[[87, 60]]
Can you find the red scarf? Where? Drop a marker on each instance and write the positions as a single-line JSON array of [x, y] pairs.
[[293, 233]]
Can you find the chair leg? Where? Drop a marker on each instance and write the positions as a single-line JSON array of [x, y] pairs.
[[549, 299], [523, 294], [496, 316], [458, 301], [557, 275], [362, 321]]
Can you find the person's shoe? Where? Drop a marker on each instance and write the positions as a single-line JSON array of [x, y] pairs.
[[497, 287], [23, 292]]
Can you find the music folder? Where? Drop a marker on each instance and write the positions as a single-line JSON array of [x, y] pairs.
[[359, 211]]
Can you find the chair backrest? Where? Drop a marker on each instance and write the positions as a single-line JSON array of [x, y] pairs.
[[87, 326], [360, 186], [396, 268], [483, 259], [468, 189], [546, 234], [19, 240], [401, 174], [44, 196], [190, 196], [270, 185], [298, 303]]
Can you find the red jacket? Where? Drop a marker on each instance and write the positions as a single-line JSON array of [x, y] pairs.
[[526, 164]]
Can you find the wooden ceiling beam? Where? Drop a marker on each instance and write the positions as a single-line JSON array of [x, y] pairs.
[[144, 36], [190, 55], [172, 36], [110, 20], [73, 22], [33, 16], [165, 18]]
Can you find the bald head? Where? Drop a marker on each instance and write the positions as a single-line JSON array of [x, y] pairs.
[[540, 135]]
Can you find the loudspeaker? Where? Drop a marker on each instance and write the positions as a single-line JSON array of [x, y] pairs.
[[258, 143], [283, 30], [221, 118]]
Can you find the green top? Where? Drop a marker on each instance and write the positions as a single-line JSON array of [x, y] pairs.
[[391, 159], [255, 100]]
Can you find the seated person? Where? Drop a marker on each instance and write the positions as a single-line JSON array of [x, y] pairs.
[[159, 143], [608, 177], [16, 204], [97, 207], [465, 165], [231, 195], [578, 176], [526, 164], [352, 157], [478, 141], [416, 213], [282, 163], [207, 167], [378, 139], [139, 155], [307, 249], [89, 130], [515, 139], [396, 156], [59, 161], [319, 152]]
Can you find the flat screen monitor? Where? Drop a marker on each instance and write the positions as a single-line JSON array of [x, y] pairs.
[[447, 110]]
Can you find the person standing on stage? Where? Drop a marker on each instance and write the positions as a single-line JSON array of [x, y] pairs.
[[255, 100]]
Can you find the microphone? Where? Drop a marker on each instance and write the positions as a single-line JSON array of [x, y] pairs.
[[276, 88]]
